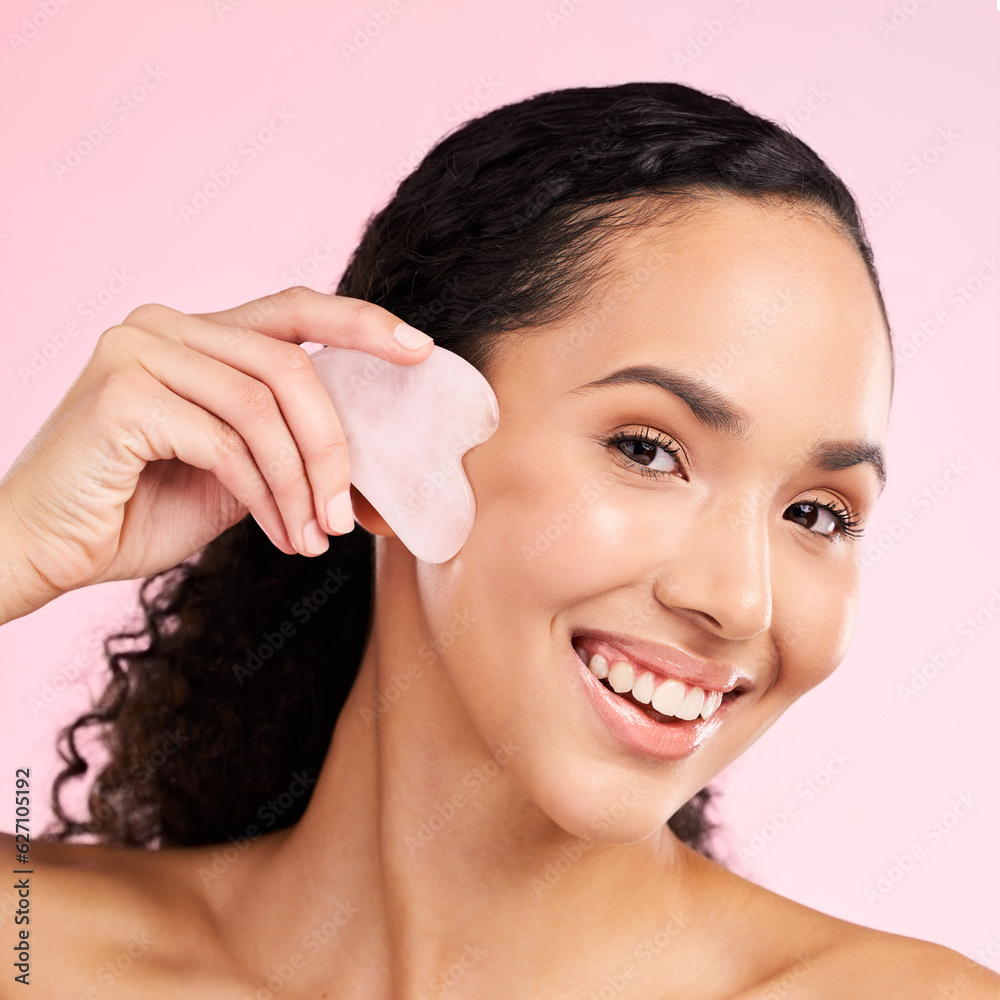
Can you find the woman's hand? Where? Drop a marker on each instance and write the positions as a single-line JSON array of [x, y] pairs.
[[177, 426]]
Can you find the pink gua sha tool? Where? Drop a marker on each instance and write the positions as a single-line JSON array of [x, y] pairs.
[[407, 428]]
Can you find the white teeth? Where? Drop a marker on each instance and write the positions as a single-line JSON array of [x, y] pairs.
[[621, 677], [690, 708], [668, 698], [712, 702], [642, 689], [599, 666]]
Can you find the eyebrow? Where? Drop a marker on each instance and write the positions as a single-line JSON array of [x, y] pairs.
[[713, 410], [833, 455]]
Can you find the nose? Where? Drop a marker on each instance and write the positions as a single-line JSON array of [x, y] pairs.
[[718, 572]]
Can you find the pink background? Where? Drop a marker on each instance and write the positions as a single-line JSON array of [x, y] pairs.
[[880, 94]]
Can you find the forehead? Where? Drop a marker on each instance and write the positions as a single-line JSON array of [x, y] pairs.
[[768, 303]]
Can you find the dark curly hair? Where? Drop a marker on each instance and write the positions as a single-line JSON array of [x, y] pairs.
[[500, 227]]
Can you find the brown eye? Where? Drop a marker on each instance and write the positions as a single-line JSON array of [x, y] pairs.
[[648, 454], [813, 516], [647, 449]]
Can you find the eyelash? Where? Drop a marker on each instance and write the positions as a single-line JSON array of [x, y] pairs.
[[650, 438], [848, 521]]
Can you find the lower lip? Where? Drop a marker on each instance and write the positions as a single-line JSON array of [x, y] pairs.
[[638, 732]]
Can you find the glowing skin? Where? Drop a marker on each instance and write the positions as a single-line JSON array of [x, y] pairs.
[[704, 561], [445, 829]]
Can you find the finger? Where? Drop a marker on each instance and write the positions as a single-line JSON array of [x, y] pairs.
[[306, 408], [299, 314], [178, 428], [305, 405], [248, 405]]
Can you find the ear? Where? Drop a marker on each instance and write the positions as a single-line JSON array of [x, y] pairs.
[[367, 516]]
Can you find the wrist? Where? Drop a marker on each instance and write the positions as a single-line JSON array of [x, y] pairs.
[[23, 588]]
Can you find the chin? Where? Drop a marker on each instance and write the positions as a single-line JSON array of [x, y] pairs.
[[604, 802]]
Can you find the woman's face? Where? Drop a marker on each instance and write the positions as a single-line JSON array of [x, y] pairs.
[[591, 533]]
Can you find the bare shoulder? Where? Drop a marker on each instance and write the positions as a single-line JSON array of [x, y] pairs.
[[804, 954], [867, 964], [92, 917]]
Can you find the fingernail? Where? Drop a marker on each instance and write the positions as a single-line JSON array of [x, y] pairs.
[[410, 336], [314, 539], [340, 513]]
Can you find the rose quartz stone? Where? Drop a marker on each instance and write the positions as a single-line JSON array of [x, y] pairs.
[[407, 428]]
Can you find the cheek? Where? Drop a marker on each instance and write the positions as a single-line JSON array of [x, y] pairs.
[[555, 535], [546, 536], [816, 624]]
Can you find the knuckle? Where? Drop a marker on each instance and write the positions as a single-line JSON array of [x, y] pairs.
[[149, 314], [333, 451], [228, 443], [118, 389], [255, 399], [295, 361], [290, 481], [118, 343], [294, 293], [114, 339], [362, 313]]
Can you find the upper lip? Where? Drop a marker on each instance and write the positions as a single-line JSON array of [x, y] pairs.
[[668, 661]]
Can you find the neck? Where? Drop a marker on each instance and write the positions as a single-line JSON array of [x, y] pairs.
[[418, 852]]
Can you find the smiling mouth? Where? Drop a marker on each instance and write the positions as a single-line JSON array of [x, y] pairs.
[[667, 701]]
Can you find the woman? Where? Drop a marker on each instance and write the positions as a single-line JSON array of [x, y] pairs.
[[677, 308]]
